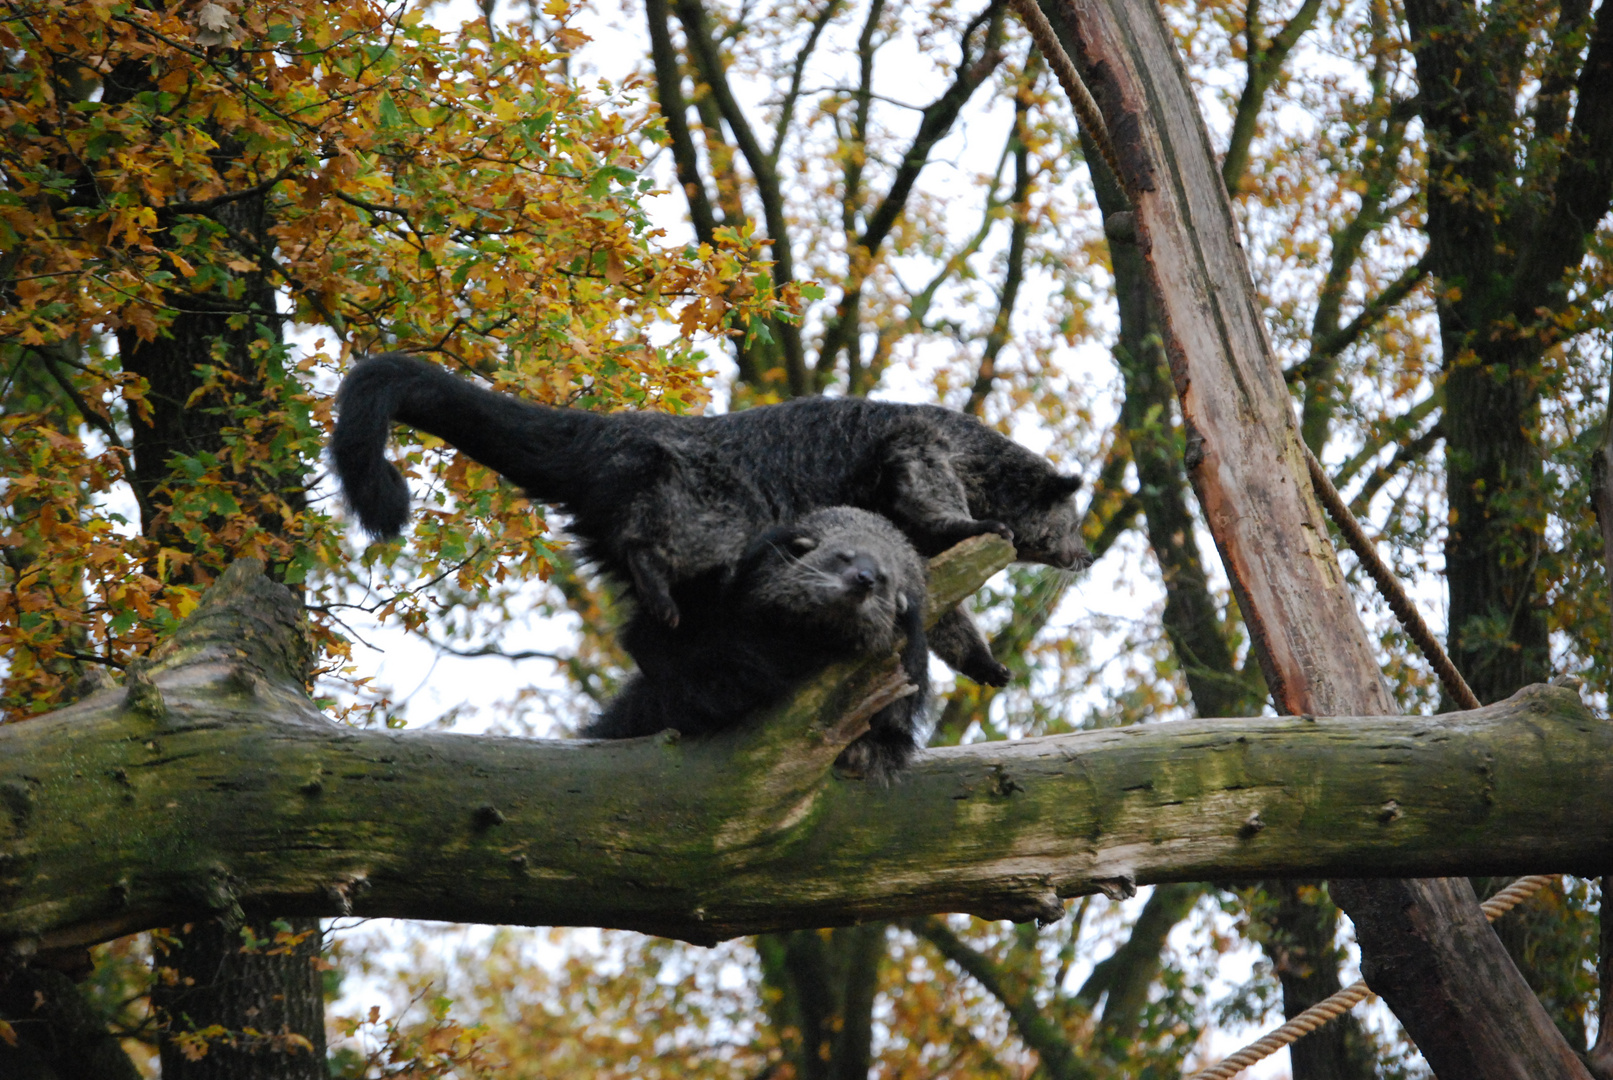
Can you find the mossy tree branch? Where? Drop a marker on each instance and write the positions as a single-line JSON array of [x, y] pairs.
[[211, 783]]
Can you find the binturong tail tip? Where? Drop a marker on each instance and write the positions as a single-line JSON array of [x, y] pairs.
[[381, 502]]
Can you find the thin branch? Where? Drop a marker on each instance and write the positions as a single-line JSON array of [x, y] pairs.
[[1398, 429], [1409, 452], [495, 652], [781, 126], [1018, 235], [1058, 1056], [703, 51], [91, 417], [204, 205], [1369, 315]]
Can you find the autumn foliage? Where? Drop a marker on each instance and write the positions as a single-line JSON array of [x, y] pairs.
[[176, 171]]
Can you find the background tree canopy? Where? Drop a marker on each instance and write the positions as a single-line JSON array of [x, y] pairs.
[[210, 207]]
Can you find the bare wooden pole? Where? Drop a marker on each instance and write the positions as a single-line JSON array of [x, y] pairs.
[[1426, 947]]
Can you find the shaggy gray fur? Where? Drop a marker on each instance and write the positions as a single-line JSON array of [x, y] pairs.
[[657, 500], [839, 584]]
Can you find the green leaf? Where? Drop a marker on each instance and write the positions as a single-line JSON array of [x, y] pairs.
[[390, 116]]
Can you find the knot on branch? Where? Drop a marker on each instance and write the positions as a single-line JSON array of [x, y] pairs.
[[247, 621], [140, 695]]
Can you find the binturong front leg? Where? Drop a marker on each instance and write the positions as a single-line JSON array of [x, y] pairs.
[[929, 502], [957, 640]]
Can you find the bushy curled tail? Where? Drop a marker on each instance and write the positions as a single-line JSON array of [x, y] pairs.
[[550, 453], [369, 399]]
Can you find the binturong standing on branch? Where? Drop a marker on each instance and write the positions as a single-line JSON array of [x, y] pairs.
[[657, 500]]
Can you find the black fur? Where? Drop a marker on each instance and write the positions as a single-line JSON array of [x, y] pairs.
[[657, 500], [839, 584]]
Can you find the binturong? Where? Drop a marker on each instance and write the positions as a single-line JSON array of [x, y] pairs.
[[657, 500], [839, 584]]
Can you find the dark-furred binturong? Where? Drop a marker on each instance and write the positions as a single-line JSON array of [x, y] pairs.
[[839, 584], [657, 499]]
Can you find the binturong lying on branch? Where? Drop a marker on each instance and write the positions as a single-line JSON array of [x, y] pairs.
[[839, 585], [657, 500]]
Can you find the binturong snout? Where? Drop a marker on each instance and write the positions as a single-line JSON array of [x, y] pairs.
[[860, 574]]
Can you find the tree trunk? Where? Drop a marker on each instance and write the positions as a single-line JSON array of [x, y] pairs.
[[185, 416], [1302, 924], [232, 1009], [58, 1036], [826, 982]]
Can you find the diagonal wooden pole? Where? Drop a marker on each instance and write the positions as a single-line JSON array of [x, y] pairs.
[[1426, 947]]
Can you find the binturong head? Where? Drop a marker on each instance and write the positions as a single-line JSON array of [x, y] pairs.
[[1047, 524], [844, 576]]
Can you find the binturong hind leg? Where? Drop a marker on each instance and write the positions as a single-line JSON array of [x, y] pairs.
[[956, 639], [652, 584], [929, 501]]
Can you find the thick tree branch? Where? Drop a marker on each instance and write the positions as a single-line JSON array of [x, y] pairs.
[[1264, 64], [934, 125], [1584, 184], [1128, 973], [213, 783], [936, 122], [675, 110]]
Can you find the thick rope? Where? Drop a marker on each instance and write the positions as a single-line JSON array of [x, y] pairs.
[[1342, 1002], [1086, 109], [1388, 586]]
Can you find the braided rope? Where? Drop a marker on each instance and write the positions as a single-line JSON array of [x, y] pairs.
[[1342, 1002], [1086, 109], [1388, 587]]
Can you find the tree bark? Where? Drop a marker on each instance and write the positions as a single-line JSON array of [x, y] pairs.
[[826, 984], [231, 1009], [1245, 458], [213, 785], [58, 1035]]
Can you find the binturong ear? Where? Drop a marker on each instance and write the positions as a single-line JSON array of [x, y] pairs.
[[1066, 485]]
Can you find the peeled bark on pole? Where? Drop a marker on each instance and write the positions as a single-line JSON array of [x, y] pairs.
[[213, 785], [1452, 985]]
